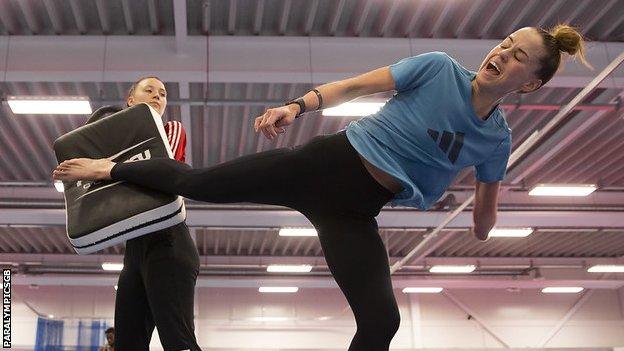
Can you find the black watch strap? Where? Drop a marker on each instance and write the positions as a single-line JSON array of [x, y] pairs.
[[299, 102]]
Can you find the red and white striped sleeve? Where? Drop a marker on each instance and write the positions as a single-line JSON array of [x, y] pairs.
[[176, 135]]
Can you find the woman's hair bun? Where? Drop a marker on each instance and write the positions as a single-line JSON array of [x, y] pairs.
[[568, 39]]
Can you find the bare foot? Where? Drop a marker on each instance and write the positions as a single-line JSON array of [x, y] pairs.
[[83, 169]]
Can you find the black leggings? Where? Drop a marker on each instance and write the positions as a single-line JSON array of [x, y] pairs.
[[156, 288], [326, 181]]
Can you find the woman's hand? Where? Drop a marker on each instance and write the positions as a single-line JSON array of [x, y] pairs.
[[273, 121]]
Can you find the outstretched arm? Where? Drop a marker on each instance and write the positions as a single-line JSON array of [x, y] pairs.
[[336, 93], [273, 120]]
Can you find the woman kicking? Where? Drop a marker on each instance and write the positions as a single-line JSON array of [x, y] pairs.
[[442, 119]]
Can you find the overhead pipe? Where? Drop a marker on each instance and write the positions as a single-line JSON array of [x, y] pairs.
[[242, 102]]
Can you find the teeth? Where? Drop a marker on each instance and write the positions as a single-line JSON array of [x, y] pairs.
[[495, 66]]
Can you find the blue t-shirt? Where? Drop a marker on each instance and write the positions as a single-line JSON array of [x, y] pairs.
[[428, 132]]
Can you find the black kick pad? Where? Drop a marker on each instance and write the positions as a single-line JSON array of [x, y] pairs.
[[101, 214]]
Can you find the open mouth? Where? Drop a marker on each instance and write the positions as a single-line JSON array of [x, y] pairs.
[[493, 68]]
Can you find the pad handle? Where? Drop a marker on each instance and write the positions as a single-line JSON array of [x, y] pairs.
[[103, 112]]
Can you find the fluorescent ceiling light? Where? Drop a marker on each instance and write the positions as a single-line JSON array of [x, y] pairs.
[[562, 290], [606, 268], [452, 269], [422, 290], [50, 316], [510, 232], [562, 190], [298, 232], [59, 186], [269, 319], [108, 266], [301, 268], [50, 105], [354, 109], [278, 289]]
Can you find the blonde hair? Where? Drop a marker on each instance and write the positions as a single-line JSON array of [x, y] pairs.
[[561, 38]]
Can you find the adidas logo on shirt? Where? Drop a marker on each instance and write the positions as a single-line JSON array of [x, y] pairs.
[[445, 140]]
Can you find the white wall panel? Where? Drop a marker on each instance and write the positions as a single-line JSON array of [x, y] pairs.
[[319, 320]]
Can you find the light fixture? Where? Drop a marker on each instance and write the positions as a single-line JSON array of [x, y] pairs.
[[269, 319], [278, 289], [562, 290], [298, 232], [59, 186], [606, 268], [562, 190], [115, 287], [109, 266], [354, 109], [280, 268], [452, 269], [510, 232], [50, 316], [50, 105], [422, 290]]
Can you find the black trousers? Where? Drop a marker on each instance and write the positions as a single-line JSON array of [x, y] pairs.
[[326, 181], [156, 288]]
